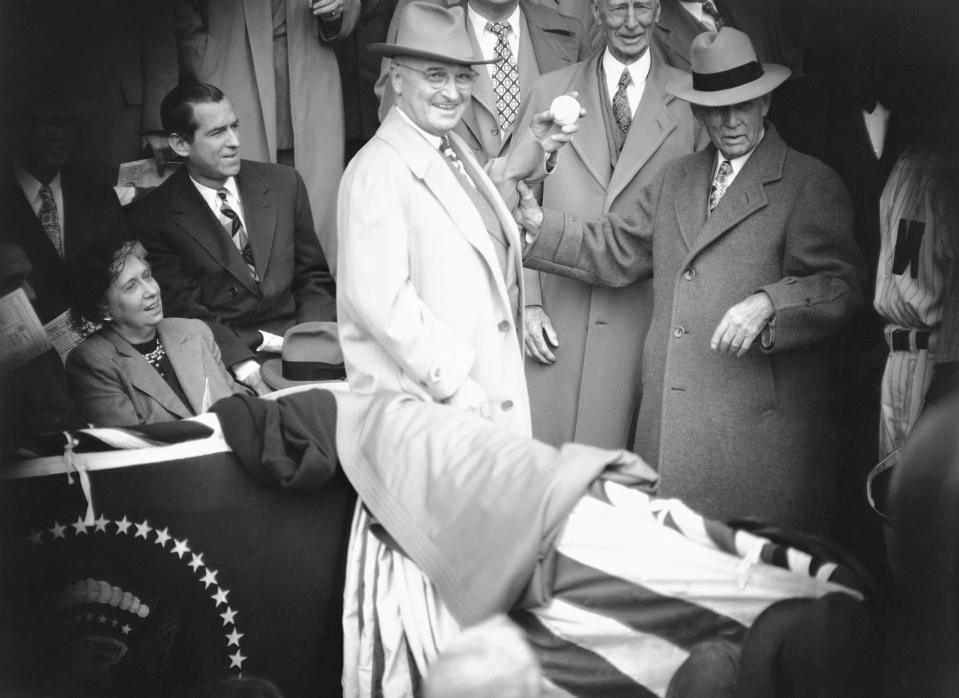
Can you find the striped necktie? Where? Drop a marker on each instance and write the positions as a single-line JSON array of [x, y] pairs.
[[50, 219], [234, 226], [621, 109], [720, 182], [505, 75]]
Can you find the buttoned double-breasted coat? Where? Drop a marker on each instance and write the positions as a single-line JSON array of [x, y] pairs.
[[745, 436]]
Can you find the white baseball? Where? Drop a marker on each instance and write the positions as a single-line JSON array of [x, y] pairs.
[[565, 110]]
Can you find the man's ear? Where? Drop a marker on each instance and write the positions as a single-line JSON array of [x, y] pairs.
[[767, 101], [395, 81], [179, 144]]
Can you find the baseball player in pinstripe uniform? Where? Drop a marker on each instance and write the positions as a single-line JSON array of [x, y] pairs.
[[915, 283]]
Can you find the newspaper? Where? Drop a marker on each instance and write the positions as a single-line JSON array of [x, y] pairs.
[[22, 337], [138, 175], [61, 334]]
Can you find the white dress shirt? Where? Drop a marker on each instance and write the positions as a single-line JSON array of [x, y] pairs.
[[737, 163], [31, 189], [638, 71], [434, 141], [877, 124], [487, 39], [209, 195]]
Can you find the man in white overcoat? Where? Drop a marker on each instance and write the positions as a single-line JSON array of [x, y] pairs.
[[430, 288]]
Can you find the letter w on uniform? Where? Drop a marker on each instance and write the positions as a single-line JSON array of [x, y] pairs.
[[908, 242]]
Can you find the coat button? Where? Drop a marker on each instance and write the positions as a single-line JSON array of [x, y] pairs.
[[233, 291], [495, 132], [689, 274], [678, 332], [503, 326], [507, 405]]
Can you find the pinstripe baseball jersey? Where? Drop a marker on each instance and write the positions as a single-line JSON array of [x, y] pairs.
[[917, 251]]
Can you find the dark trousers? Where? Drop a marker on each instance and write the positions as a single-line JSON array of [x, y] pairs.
[[798, 648]]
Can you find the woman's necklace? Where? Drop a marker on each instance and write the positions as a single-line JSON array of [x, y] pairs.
[[155, 358]]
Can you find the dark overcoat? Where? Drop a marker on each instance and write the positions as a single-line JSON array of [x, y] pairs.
[[732, 436]]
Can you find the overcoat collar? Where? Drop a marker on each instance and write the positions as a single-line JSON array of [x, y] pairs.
[[427, 164], [182, 350], [190, 212], [745, 195], [653, 120]]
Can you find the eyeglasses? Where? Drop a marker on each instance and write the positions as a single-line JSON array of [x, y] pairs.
[[437, 78]]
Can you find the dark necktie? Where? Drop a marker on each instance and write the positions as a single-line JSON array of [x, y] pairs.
[[505, 75], [234, 226], [447, 149], [50, 219], [621, 110], [710, 9], [720, 182]]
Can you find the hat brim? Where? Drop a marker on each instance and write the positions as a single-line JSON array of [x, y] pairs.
[[773, 76], [272, 374], [393, 50]]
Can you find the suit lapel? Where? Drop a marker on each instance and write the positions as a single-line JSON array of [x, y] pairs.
[[553, 44], [651, 124], [746, 194], [143, 376], [260, 209], [590, 141], [184, 351], [483, 85], [692, 194], [427, 163], [190, 212]]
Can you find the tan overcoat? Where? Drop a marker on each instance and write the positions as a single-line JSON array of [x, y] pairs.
[[590, 395]]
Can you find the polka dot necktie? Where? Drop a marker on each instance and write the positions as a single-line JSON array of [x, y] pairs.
[[50, 219], [720, 182], [621, 109], [234, 226], [505, 75]]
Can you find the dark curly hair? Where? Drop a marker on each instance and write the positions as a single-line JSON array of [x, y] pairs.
[[95, 267]]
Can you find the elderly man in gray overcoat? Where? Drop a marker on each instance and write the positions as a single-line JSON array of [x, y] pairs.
[[754, 268]]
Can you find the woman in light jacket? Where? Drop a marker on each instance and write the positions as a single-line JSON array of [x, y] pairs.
[[139, 367]]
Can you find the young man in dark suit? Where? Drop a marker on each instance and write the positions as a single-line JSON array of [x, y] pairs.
[[231, 241]]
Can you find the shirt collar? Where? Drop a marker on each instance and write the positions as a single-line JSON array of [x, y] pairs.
[[31, 185], [435, 141], [479, 21], [740, 162], [209, 193], [638, 70]]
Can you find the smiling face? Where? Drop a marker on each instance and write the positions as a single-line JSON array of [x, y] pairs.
[[133, 300], [626, 25], [213, 155], [436, 110], [735, 129]]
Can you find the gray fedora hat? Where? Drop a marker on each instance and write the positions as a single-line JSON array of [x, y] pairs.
[[725, 71], [431, 31]]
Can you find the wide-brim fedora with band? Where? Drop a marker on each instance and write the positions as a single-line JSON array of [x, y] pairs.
[[725, 70], [311, 353], [430, 31]]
